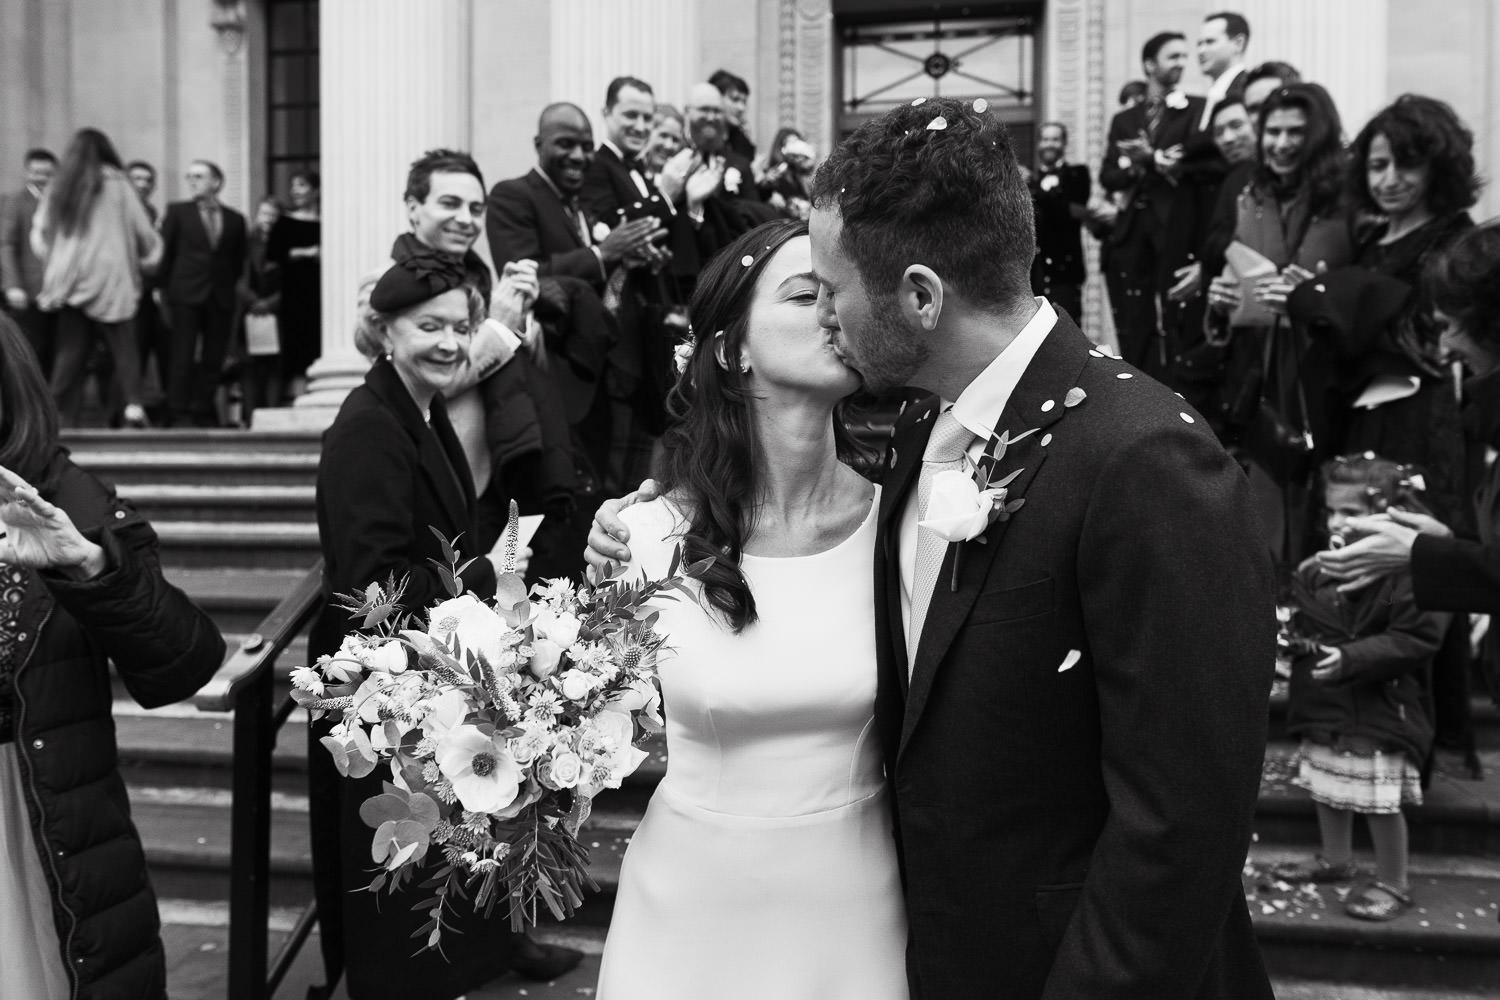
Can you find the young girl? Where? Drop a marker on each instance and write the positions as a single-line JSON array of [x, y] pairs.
[[1358, 699]]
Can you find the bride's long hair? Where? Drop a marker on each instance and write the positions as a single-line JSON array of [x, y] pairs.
[[711, 458]]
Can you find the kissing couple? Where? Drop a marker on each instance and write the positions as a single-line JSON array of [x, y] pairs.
[[992, 728]]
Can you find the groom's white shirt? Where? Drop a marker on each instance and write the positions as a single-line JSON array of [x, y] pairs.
[[978, 408]]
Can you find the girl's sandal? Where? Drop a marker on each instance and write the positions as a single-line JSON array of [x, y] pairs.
[[1379, 901]]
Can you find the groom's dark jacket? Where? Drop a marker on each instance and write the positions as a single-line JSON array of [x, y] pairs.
[[1076, 757]]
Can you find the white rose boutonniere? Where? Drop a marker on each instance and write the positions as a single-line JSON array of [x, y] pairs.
[[601, 232], [733, 180], [1049, 182], [1177, 100], [957, 509]]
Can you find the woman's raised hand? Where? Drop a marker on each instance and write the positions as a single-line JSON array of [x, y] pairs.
[[40, 535]]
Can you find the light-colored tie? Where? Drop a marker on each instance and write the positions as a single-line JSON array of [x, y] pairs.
[[945, 450]]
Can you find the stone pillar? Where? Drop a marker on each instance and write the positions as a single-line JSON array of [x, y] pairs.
[[805, 62], [594, 41], [395, 81]]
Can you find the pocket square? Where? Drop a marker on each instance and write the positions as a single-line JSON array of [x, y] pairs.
[[1070, 661]]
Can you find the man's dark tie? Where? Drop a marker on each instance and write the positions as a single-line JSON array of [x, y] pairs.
[[211, 223], [1155, 108]]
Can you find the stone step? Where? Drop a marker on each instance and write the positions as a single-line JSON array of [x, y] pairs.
[[1450, 938], [222, 503], [1458, 816], [238, 600], [196, 937], [229, 466], [202, 441], [228, 547]]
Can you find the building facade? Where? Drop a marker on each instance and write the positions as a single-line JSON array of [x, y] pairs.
[[357, 88]]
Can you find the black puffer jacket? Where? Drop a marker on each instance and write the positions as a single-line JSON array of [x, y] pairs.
[[164, 648], [1381, 692]]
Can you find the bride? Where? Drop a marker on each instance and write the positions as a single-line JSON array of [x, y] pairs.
[[764, 866]]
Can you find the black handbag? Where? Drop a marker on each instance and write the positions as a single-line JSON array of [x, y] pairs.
[[1277, 439]]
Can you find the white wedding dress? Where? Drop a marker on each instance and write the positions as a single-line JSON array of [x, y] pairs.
[[764, 867]]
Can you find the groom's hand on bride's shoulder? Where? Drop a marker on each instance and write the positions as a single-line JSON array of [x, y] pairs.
[[608, 535]]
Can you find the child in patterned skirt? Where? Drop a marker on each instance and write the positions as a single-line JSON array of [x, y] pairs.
[[1359, 695]]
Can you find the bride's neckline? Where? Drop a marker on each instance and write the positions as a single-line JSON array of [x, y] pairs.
[[835, 547]]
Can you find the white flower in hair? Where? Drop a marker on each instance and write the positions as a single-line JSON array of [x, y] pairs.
[[682, 354]]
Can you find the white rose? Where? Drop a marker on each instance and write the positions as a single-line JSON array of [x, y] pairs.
[[624, 757], [560, 628], [1177, 100], [388, 657], [564, 770], [576, 685], [1049, 182], [956, 508], [444, 712], [476, 624], [545, 656]]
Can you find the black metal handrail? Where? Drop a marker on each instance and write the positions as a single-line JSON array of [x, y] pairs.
[[246, 686]]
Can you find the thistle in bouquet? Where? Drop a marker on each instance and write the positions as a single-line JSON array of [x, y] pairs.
[[495, 723]]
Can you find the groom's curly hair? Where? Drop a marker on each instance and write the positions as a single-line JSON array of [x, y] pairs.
[[934, 183]]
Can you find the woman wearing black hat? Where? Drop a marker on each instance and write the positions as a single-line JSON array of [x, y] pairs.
[[392, 471]]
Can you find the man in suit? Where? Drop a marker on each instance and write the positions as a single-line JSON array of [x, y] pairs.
[[1156, 157], [150, 333], [1060, 196], [1222, 41], [736, 94], [1072, 700], [539, 215], [203, 253], [20, 268]]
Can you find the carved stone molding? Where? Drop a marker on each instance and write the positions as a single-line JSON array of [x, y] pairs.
[[805, 47]]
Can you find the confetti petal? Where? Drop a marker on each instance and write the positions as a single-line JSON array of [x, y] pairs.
[[747, 260], [918, 102], [1187, 418], [981, 106], [1075, 396], [1070, 661], [1124, 375], [937, 124], [1046, 440], [1048, 405]]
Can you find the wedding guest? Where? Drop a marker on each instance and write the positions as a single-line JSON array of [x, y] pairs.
[[259, 294], [151, 331], [1222, 41], [1358, 697], [295, 247], [20, 268], [1060, 195], [95, 238], [736, 94], [786, 179], [1158, 231], [1133, 93], [83, 604], [378, 508], [202, 258], [1451, 570], [1264, 80], [667, 139], [1293, 214]]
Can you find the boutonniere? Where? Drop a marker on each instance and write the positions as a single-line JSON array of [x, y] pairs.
[[1176, 100], [601, 232], [1049, 181], [965, 502], [732, 180]]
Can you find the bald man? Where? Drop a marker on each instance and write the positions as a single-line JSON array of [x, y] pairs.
[[539, 216]]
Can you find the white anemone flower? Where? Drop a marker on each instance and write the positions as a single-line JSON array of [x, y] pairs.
[[484, 776]]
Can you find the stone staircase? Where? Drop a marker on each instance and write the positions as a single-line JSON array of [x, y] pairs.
[[235, 514]]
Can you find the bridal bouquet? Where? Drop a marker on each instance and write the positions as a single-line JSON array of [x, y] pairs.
[[498, 722]]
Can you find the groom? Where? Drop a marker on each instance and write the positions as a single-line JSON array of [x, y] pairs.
[[1073, 702]]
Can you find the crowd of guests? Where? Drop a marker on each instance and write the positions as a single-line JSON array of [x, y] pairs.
[[152, 302], [1296, 288]]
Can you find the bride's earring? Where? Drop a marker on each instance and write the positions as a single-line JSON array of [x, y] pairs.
[[744, 367]]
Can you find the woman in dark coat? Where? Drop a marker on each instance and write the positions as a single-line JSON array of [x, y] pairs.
[[295, 248], [392, 472], [80, 588]]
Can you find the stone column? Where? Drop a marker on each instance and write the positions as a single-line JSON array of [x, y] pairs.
[[395, 81]]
